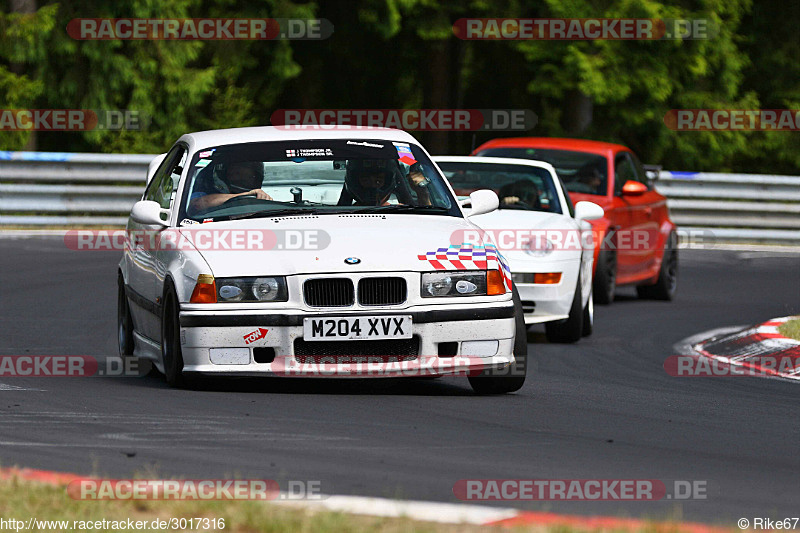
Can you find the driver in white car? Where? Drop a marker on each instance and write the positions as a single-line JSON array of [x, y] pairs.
[[246, 177], [520, 192]]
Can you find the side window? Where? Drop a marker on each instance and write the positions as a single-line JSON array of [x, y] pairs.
[[570, 207], [159, 173], [623, 171], [165, 181], [175, 175], [641, 175]]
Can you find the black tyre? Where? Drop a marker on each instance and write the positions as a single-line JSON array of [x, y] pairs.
[[588, 316], [512, 377], [170, 340], [571, 329], [124, 321], [605, 277], [667, 285]]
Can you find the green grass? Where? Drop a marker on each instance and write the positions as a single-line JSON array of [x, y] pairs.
[[790, 329], [22, 500]]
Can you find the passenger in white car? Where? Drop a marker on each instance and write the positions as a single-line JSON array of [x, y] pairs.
[[372, 183]]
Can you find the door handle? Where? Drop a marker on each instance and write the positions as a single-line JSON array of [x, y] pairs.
[[648, 211]]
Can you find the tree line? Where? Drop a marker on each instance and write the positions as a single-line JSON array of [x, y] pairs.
[[397, 54]]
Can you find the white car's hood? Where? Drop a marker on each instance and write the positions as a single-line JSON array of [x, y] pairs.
[[382, 243], [520, 219], [511, 229]]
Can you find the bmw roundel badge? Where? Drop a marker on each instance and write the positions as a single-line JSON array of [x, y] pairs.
[[352, 260]]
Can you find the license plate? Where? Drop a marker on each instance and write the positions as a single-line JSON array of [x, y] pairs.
[[357, 328]]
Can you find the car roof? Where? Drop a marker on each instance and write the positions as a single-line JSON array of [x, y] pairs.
[[205, 139], [554, 143]]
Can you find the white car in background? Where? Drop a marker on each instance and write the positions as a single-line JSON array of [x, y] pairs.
[[545, 240], [300, 252]]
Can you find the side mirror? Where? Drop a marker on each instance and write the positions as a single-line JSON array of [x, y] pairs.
[[154, 164], [149, 213], [588, 211], [633, 188], [483, 201]]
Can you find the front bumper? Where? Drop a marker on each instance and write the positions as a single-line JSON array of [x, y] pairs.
[[229, 332], [546, 302]]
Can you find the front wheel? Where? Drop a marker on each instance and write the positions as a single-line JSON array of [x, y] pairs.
[[491, 381], [605, 277], [588, 316], [124, 320], [571, 329], [170, 341], [666, 286]]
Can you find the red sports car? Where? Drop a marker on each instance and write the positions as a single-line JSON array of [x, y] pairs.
[[635, 243]]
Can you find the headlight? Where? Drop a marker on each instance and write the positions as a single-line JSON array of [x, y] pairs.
[[453, 284], [267, 289], [539, 247]]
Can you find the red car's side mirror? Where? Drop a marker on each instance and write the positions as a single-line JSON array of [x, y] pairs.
[[633, 188]]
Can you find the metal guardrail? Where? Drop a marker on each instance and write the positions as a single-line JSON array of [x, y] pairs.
[[58, 189], [735, 207]]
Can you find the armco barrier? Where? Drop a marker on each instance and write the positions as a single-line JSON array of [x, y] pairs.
[[735, 207], [57, 189]]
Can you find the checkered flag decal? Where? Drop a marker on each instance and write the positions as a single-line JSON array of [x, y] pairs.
[[466, 256]]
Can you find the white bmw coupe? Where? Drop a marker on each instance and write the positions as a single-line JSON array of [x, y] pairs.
[[542, 235], [308, 252]]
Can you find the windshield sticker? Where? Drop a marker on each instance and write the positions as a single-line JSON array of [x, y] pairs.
[[205, 220], [187, 221], [404, 153], [310, 152], [207, 153], [203, 163], [365, 144]]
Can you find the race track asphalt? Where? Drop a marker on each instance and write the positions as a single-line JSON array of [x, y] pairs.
[[600, 409]]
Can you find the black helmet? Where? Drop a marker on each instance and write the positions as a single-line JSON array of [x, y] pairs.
[[369, 193], [256, 168], [214, 178]]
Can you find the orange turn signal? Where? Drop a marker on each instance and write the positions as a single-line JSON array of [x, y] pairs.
[[548, 278], [205, 290], [494, 283]]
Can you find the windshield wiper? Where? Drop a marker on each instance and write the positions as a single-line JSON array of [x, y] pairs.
[[269, 213], [397, 208]]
